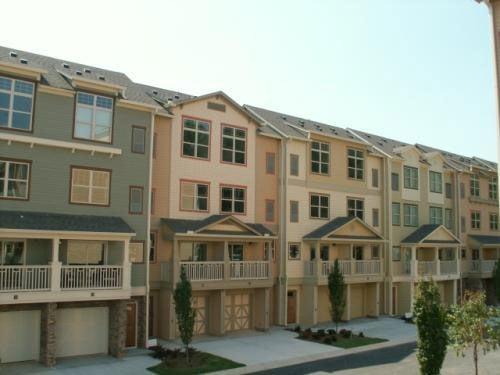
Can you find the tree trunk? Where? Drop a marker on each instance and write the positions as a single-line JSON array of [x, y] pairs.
[[475, 358]]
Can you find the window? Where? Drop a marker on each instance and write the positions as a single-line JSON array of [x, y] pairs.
[[475, 220], [320, 157], [235, 252], [374, 178], [355, 207], [357, 252], [462, 190], [396, 214], [93, 117], [474, 185], [194, 196], [195, 138], [396, 253], [395, 181], [448, 218], [410, 177], [493, 221], [89, 186], [355, 164], [375, 220], [435, 215], [12, 253], [270, 163], [135, 204], [136, 252], [324, 252], [375, 252], [462, 224], [152, 246], [270, 250], [138, 139], [193, 252], [86, 252], [410, 215], [14, 179], [294, 251], [294, 165], [294, 211], [435, 182], [493, 188], [16, 103], [475, 254], [448, 190], [319, 206], [234, 147], [233, 199], [270, 210]]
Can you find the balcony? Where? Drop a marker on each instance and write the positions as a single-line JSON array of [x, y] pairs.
[[24, 278], [347, 267], [479, 267], [215, 271], [423, 268], [91, 277]]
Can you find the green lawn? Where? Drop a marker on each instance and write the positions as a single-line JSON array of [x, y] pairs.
[[201, 363], [356, 341]]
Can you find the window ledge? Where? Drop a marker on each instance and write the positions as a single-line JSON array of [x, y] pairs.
[[73, 146], [474, 199]]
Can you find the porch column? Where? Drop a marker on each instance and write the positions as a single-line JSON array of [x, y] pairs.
[[436, 259], [117, 328], [481, 259], [270, 260], [175, 262], [413, 261], [318, 265], [127, 266], [389, 303], [377, 299], [55, 279], [348, 302], [352, 265], [227, 267], [454, 301], [48, 334]]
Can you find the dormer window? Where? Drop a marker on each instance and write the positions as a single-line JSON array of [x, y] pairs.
[[16, 103], [93, 117]]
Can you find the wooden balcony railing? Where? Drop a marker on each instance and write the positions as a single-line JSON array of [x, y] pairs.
[[204, 271], [478, 266], [91, 277], [426, 268], [24, 278], [253, 270], [347, 267], [448, 267]]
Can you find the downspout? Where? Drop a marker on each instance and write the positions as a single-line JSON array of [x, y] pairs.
[[388, 232], [148, 224], [283, 278]]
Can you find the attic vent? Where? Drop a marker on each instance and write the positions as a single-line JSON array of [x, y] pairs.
[[78, 73], [214, 106], [368, 136], [101, 78], [302, 122], [283, 117], [380, 143], [13, 54], [65, 65], [155, 92], [87, 70], [177, 97], [23, 61]]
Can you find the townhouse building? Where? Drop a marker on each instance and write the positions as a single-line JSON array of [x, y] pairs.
[[74, 176], [214, 213]]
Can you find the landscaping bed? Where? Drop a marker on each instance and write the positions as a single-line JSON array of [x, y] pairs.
[[174, 362], [344, 338]]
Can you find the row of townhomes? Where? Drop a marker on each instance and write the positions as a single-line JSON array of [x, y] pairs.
[[108, 188]]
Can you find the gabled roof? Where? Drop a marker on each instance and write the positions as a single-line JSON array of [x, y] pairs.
[[42, 221], [485, 240], [329, 229], [185, 226], [423, 232]]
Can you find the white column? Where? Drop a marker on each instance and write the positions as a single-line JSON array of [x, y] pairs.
[[413, 261], [438, 263], [127, 266], [454, 292], [377, 299], [318, 265], [55, 279], [175, 262], [270, 260], [227, 270]]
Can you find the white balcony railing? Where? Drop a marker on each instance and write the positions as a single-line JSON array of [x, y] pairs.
[[204, 271], [254, 270], [425, 268], [488, 265], [24, 278], [349, 267], [479, 266], [448, 267], [91, 277]]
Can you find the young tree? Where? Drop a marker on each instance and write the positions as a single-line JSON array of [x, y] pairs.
[[430, 316], [471, 325], [336, 288], [184, 311], [496, 280]]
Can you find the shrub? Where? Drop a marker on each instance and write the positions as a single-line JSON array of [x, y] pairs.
[[331, 332], [307, 333], [321, 332], [297, 329], [345, 333], [361, 334], [328, 340]]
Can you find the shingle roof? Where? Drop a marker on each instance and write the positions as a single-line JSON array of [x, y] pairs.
[[486, 240], [63, 222], [422, 232], [385, 144], [328, 227], [185, 225]]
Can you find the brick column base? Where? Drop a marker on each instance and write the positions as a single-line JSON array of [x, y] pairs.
[[48, 335], [141, 321], [117, 328]]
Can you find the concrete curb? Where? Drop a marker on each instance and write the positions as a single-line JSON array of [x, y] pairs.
[[312, 357]]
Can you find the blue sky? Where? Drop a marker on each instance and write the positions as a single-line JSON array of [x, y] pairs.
[[418, 71]]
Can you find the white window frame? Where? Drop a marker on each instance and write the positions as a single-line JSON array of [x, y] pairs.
[[319, 206], [474, 185], [493, 188], [94, 108], [231, 249], [448, 218], [410, 177], [394, 214], [410, 218], [435, 218], [233, 200], [494, 222], [298, 245], [6, 179], [356, 209], [104, 245], [90, 186], [195, 197], [358, 170], [12, 92], [475, 220], [435, 182], [233, 150], [322, 148], [196, 132], [4, 242]]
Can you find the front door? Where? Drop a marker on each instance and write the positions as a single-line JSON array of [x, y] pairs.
[[131, 339], [291, 308]]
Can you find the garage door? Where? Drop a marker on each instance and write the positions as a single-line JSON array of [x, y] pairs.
[[357, 301], [200, 318], [19, 336], [81, 331], [237, 312]]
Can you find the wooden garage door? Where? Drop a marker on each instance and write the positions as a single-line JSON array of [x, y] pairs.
[[19, 336], [200, 318], [357, 301], [237, 312], [82, 331]]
